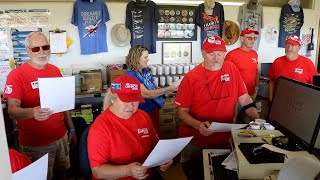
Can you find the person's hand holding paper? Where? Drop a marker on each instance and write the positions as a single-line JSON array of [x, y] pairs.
[[165, 151]]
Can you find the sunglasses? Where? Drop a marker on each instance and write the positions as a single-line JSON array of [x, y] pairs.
[[37, 49], [250, 38]]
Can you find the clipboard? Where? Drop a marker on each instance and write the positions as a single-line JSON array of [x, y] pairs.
[[58, 43]]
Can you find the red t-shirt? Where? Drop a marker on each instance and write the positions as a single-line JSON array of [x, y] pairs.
[[247, 64], [301, 69], [22, 84], [18, 161], [214, 106], [117, 141]]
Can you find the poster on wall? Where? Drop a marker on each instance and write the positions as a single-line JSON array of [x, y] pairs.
[[176, 52], [39, 17], [177, 23], [17, 17], [3, 19]]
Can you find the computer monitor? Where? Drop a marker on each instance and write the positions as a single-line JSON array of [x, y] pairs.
[[264, 69], [316, 80], [295, 111]]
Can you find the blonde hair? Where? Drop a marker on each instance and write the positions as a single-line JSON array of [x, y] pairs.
[[108, 99], [133, 57]]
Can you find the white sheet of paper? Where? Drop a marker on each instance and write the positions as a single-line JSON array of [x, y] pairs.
[[36, 171], [58, 94], [225, 127], [165, 150]]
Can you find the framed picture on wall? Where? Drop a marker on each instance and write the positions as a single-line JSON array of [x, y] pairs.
[[176, 52], [177, 23]]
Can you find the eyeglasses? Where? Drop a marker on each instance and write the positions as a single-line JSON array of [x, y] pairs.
[[37, 48], [221, 91], [250, 38]]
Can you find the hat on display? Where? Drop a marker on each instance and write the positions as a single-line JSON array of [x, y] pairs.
[[249, 31], [127, 88], [120, 35], [214, 43], [230, 32], [295, 5], [294, 40]]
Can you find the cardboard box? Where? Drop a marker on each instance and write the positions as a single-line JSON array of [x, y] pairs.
[[168, 131], [166, 119], [113, 73], [92, 80]]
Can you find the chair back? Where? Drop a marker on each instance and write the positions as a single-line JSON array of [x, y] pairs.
[[83, 155]]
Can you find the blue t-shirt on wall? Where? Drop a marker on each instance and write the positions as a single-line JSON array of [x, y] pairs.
[[142, 24], [90, 17], [210, 25], [290, 23]]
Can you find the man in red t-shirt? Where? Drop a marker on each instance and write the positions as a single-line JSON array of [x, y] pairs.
[[18, 161], [208, 94], [246, 61], [292, 65], [40, 131], [123, 136]]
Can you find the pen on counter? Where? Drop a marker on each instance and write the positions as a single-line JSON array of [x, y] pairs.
[[264, 140]]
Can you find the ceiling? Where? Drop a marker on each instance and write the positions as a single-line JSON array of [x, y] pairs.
[[270, 3]]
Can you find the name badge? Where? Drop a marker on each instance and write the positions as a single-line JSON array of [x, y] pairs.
[[34, 85], [225, 78]]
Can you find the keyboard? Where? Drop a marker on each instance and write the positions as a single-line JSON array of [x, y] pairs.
[[266, 157]]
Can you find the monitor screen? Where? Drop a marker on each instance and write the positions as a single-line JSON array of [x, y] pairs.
[[265, 68], [295, 111]]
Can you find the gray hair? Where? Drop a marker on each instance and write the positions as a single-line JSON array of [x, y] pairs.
[[108, 99], [27, 40]]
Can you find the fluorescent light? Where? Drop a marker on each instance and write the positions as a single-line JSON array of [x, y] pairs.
[[190, 2]]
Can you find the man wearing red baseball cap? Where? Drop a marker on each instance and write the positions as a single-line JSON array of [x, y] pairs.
[[246, 60], [122, 136], [208, 94], [292, 65]]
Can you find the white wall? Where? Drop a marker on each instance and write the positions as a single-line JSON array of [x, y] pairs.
[[61, 13]]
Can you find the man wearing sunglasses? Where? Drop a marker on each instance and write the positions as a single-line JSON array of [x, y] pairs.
[[292, 65], [208, 94], [246, 60], [40, 131]]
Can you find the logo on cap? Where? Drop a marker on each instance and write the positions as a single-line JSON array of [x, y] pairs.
[[132, 86], [116, 86]]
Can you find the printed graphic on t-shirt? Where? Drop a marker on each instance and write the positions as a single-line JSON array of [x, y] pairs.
[[144, 132], [291, 23], [254, 60], [252, 19], [91, 29], [8, 89], [137, 24], [211, 25]]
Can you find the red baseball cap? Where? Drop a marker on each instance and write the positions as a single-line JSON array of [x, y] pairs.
[[293, 39], [127, 88], [214, 43], [249, 31]]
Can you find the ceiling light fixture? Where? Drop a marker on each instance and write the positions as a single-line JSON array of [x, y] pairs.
[[190, 2]]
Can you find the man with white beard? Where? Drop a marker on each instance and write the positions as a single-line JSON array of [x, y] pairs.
[[40, 130]]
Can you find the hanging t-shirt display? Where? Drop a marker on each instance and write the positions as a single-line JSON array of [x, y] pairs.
[[251, 18], [142, 22], [290, 23], [210, 25], [90, 17]]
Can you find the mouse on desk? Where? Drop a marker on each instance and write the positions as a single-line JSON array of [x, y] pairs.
[[260, 151]]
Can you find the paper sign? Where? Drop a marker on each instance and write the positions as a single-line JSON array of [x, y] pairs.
[[58, 94]]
